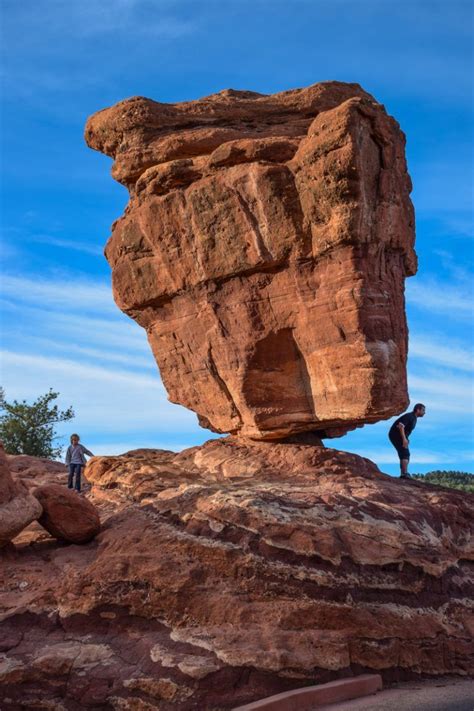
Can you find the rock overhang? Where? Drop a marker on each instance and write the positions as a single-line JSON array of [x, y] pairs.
[[264, 249]]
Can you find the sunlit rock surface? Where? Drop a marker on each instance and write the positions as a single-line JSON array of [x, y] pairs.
[[234, 570], [264, 249]]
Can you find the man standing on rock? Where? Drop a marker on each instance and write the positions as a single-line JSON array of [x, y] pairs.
[[399, 433]]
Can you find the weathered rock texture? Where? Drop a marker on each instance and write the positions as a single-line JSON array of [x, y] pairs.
[[235, 570], [264, 249], [36, 471], [66, 515], [17, 507]]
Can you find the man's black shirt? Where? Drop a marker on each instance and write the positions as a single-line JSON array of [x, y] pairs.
[[409, 422]]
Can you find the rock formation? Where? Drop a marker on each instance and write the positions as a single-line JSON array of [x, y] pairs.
[[66, 515], [234, 570], [264, 249], [17, 507]]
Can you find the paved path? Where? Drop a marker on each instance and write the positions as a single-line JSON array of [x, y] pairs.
[[437, 695]]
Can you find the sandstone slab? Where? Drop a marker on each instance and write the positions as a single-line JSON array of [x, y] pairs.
[[264, 250], [66, 514]]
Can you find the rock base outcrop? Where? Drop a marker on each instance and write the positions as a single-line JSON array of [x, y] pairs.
[[235, 570]]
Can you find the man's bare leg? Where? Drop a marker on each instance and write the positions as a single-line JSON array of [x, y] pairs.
[[404, 467]]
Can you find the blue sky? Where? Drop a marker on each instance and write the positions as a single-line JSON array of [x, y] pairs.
[[65, 59]]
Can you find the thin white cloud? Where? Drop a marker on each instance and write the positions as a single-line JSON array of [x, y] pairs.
[[441, 298], [71, 293], [440, 383], [106, 399], [448, 354], [88, 19], [68, 244], [443, 392], [82, 371], [112, 16], [72, 328], [70, 349]]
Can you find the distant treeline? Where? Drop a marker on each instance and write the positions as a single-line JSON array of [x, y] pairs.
[[453, 479]]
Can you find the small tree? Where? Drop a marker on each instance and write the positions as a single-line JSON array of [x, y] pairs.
[[29, 429]]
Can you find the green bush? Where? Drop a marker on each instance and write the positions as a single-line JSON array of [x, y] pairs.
[[29, 429]]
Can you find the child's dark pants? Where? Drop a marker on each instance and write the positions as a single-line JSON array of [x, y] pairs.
[[74, 469]]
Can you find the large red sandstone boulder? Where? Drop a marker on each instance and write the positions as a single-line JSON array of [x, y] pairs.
[[17, 507], [264, 249], [67, 515], [235, 570]]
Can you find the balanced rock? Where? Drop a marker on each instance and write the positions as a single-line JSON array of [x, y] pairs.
[[18, 508], [264, 249], [66, 515]]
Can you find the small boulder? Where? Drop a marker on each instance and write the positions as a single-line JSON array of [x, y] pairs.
[[17, 507], [66, 515]]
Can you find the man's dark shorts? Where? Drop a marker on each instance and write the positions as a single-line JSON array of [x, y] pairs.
[[403, 452]]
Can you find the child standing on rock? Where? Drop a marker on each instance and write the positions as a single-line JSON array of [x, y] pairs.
[[76, 460]]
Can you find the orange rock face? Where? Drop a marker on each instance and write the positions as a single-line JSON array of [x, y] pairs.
[[235, 570], [264, 249]]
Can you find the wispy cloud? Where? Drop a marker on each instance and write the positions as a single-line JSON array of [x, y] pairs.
[[440, 297], [74, 49], [449, 354], [138, 361], [68, 244], [76, 369], [443, 392], [107, 334], [88, 18], [135, 16], [106, 399], [73, 293]]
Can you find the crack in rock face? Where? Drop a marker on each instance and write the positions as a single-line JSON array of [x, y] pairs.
[[264, 250]]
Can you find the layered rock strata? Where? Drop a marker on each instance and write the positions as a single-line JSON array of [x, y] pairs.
[[235, 570], [264, 249]]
